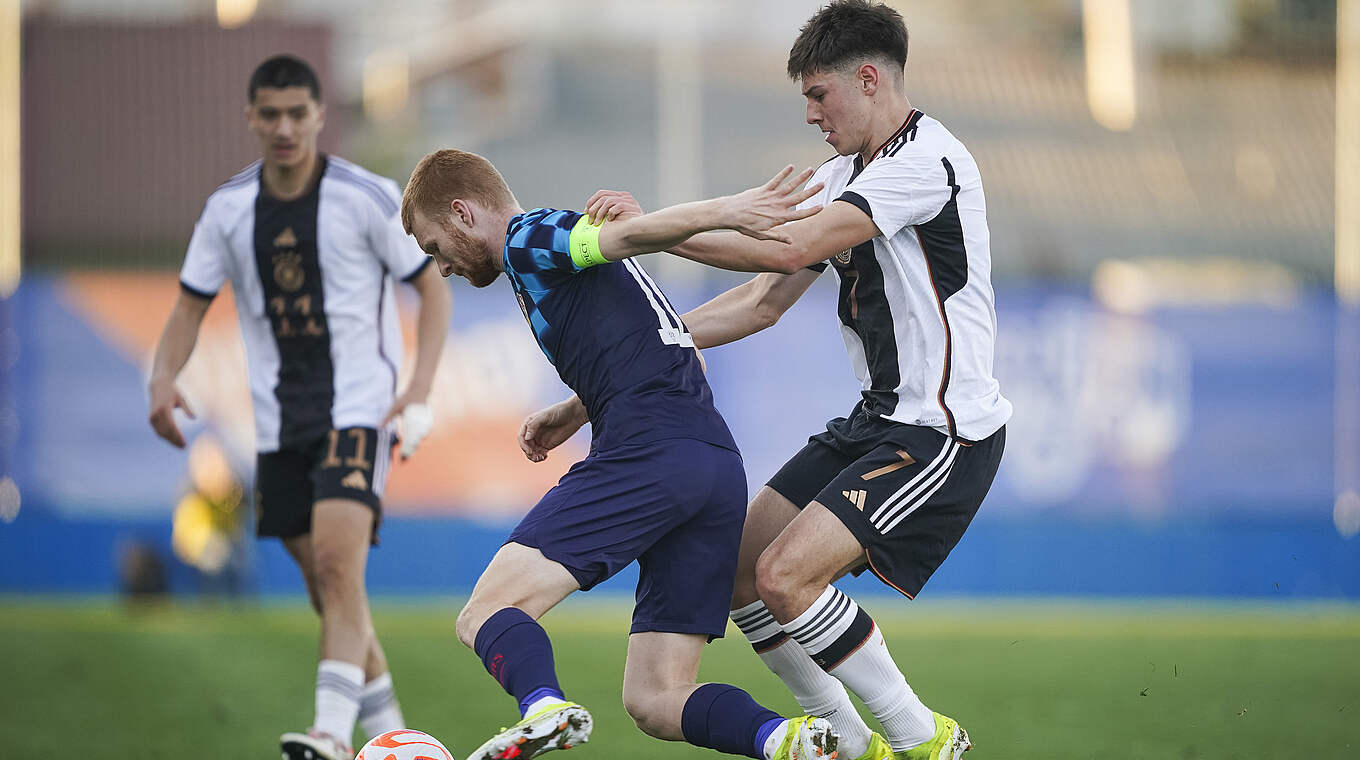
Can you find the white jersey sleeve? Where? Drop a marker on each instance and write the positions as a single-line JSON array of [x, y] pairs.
[[900, 191], [205, 263], [397, 250], [823, 197]]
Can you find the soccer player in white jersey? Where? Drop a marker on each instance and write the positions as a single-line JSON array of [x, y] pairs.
[[892, 487], [312, 244]]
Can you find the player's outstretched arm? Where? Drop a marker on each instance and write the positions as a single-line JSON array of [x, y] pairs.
[[757, 213], [837, 227], [176, 344], [826, 233], [746, 309]]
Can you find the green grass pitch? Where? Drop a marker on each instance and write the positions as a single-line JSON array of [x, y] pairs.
[[97, 679]]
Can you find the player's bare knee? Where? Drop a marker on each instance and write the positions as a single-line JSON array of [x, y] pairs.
[[334, 574], [644, 707], [775, 578], [469, 622]]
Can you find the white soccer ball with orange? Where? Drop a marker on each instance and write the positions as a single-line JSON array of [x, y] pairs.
[[404, 744]]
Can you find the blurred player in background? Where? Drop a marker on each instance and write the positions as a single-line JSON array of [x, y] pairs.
[[312, 244], [892, 487], [663, 483]]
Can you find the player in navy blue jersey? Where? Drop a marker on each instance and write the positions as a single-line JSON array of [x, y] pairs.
[[663, 483]]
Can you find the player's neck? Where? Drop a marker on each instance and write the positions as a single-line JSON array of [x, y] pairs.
[[288, 183], [886, 122], [501, 221]]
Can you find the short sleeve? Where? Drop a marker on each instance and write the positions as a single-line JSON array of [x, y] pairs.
[[205, 263], [539, 247], [820, 199], [899, 192], [398, 251]]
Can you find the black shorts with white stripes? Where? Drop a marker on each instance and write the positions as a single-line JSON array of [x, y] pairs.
[[907, 493], [350, 463]]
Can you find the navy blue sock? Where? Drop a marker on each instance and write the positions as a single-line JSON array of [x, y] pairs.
[[725, 718], [516, 652]]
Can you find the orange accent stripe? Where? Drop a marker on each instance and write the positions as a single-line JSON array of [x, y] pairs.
[[873, 569], [907, 461], [895, 135], [872, 627], [948, 339]]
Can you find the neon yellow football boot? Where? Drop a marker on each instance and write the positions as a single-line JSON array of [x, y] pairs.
[[562, 725], [807, 738], [949, 742], [878, 749]]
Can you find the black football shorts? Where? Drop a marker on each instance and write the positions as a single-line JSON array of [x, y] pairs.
[[907, 493]]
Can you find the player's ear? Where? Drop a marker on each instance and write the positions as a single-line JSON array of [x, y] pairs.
[[461, 210], [320, 115], [867, 78]]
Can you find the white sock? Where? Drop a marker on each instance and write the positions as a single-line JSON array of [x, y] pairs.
[[843, 639], [379, 711], [338, 685], [817, 692], [776, 736]]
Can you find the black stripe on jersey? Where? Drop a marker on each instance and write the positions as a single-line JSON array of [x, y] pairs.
[[193, 291], [382, 296], [942, 243], [908, 133], [857, 200], [289, 266], [882, 149], [416, 272], [863, 307]]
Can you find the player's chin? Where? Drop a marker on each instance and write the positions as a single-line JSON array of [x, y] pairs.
[[483, 278]]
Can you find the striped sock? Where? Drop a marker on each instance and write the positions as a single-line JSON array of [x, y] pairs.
[[379, 711], [817, 692], [338, 685], [842, 639]]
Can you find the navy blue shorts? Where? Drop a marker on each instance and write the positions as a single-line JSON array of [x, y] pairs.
[[676, 506]]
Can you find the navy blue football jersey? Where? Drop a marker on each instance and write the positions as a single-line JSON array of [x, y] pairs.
[[611, 333]]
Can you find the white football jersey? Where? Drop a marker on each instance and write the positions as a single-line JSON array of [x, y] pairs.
[[313, 282], [916, 305]]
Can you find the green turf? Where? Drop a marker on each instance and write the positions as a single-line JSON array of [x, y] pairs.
[[95, 679]]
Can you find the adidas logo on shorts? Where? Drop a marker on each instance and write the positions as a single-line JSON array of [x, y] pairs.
[[355, 480], [855, 497]]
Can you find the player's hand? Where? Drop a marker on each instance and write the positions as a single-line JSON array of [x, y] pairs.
[[608, 205], [165, 398], [416, 420], [547, 429], [758, 212]]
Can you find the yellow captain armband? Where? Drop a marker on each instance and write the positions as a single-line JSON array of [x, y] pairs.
[[585, 244]]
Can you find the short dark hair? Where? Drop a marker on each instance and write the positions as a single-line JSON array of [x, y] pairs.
[[283, 71], [847, 30]]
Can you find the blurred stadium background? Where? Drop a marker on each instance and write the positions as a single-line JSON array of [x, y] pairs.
[[1174, 197]]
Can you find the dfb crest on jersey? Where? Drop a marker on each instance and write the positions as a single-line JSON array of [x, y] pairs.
[[843, 258], [288, 274]]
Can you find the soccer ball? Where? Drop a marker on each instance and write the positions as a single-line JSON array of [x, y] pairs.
[[404, 744]]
